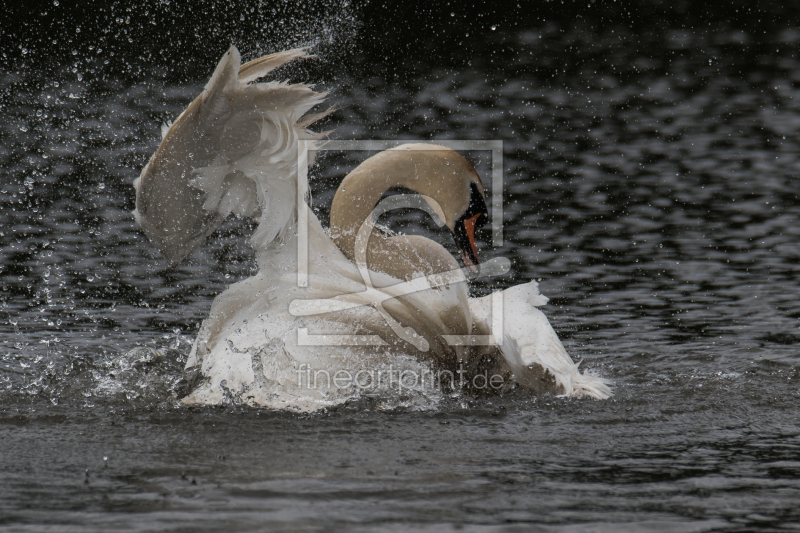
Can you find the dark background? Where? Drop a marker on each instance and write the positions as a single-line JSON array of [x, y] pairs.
[[389, 36]]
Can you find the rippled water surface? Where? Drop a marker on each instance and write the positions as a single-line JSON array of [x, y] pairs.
[[650, 184]]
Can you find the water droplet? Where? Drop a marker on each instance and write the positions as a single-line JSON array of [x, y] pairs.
[[55, 3], [494, 27]]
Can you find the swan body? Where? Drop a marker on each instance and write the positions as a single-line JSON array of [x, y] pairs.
[[374, 307]]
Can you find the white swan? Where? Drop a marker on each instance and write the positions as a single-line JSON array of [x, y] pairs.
[[371, 309]]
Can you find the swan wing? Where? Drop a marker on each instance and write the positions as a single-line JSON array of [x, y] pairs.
[[529, 339], [233, 150]]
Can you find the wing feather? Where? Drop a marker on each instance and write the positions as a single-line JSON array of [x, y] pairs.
[[233, 150]]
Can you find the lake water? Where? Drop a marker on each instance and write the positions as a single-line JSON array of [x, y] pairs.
[[650, 184]]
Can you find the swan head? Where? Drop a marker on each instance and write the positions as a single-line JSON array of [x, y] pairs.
[[472, 219], [453, 189], [440, 175]]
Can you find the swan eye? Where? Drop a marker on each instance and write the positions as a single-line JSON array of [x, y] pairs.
[[477, 206]]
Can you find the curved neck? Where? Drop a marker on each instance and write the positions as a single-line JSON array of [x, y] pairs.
[[433, 171]]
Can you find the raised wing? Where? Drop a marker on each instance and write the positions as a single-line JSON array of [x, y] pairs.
[[233, 150]]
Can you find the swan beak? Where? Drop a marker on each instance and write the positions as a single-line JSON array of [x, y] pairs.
[[465, 240]]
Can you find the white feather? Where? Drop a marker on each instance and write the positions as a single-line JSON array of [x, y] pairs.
[[233, 150], [529, 339]]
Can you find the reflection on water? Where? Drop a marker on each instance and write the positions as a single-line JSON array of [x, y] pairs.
[[650, 184]]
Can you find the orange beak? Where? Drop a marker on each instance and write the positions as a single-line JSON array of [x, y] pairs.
[[471, 259], [474, 217]]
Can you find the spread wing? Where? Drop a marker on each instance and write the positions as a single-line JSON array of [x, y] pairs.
[[233, 150]]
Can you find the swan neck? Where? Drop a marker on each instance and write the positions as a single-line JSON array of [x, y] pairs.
[[434, 171]]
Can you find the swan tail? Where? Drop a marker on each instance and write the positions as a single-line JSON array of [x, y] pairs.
[[234, 150], [529, 341], [585, 385]]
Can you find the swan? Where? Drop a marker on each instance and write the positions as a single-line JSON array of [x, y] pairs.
[[332, 314]]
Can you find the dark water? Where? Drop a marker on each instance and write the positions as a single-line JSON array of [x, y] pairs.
[[650, 183]]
